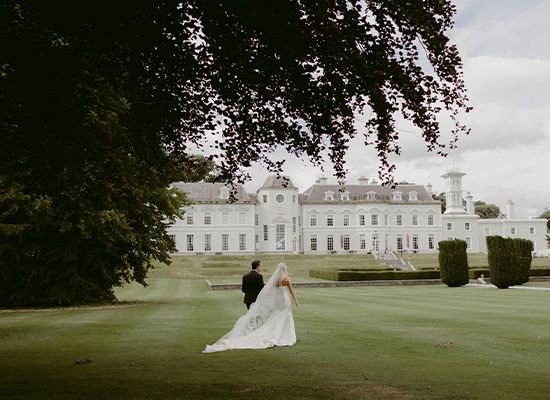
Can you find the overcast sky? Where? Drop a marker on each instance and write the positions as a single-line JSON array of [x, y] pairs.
[[505, 46]]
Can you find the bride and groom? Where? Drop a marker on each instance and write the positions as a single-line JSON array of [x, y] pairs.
[[269, 321]]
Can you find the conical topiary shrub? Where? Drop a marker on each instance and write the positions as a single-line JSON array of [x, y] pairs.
[[453, 262]]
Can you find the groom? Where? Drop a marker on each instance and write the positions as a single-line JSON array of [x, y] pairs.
[[253, 282]]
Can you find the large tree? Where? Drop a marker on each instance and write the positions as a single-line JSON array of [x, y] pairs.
[[487, 210], [100, 101]]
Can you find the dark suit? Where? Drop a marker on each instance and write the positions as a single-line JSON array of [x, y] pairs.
[[253, 282]]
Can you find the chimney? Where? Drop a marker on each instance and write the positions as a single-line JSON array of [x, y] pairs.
[[470, 209], [429, 188], [322, 180], [510, 209], [363, 180]]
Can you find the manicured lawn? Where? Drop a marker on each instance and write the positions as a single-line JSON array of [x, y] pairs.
[[423, 342]]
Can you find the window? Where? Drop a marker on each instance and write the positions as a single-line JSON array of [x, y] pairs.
[[362, 242], [468, 242], [225, 241], [294, 198], [266, 236], [431, 241], [399, 220], [513, 230], [207, 242], [415, 241], [242, 218], [329, 196], [242, 241], [531, 230], [225, 218], [487, 231], [189, 218], [280, 198], [299, 220], [374, 219], [207, 219], [386, 219], [313, 220], [280, 237], [430, 220], [256, 239], [330, 243], [413, 196], [371, 196], [265, 198], [396, 196], [345, 241], [361, 220], [330, 220], [466, 226], [415, 219], [293, 224], [313, 243], [400, 242], [172, 237], [256, 219], [344, 196], [449, 226], [189, 242], [346, 220]]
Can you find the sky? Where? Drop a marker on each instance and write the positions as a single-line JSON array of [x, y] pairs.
[[505, 48]]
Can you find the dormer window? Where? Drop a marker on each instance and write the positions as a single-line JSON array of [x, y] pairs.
[[329, 196], [344, 196], [413, 196], [396, 196], [224, 193], [371, 195]]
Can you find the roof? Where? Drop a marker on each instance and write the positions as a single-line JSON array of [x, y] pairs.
[[208, 192], [274, 181], [316, 193]]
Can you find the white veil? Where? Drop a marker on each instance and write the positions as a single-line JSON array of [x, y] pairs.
[[271, 311]]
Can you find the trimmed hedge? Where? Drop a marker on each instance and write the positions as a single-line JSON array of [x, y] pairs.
[[366, 275], [540, 272], [453, 262], [524, 253], [503, 261]]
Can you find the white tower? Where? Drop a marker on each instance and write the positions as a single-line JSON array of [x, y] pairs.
[[453, 194]]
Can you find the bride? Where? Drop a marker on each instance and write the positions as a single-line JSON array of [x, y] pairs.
[[269, 321]]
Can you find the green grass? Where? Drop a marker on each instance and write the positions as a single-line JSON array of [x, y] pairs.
[[375, 343]]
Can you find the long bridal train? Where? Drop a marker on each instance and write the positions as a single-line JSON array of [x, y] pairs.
[[268, 323]]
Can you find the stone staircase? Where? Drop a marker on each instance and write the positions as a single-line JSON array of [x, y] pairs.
[[391, 260]]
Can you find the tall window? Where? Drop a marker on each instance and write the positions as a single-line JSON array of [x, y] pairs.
[[189, 242], [386, 219], [466, 226], [431, 241], [449, 226], [330, 243], [468, 242], [313, 220], [374, 219], [430, 220], [415, 219], [346, 242], [415, 241], [313, 243], [280, 237], [265, 198], [346, 220], [242, 241], [189, 218], [362, 242], [225, 241], [225, 218], [399, 242], [266, 236], [399, 220], [330, 220], [242, 218], [207, 242], [293, 224], [361, 219], [256, 219], [207, 219]]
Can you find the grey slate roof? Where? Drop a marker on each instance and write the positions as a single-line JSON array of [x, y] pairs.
[[316, 193], [273, 182], [207, 192]]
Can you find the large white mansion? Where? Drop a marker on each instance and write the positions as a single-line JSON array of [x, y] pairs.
[[329, 218]]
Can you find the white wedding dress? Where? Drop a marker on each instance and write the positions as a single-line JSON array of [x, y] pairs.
[[268, 323]]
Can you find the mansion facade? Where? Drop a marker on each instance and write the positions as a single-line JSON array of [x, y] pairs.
[[330, 218]]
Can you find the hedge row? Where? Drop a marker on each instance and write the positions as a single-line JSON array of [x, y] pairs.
[[369, 275], [453, 262], [509, 260]]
